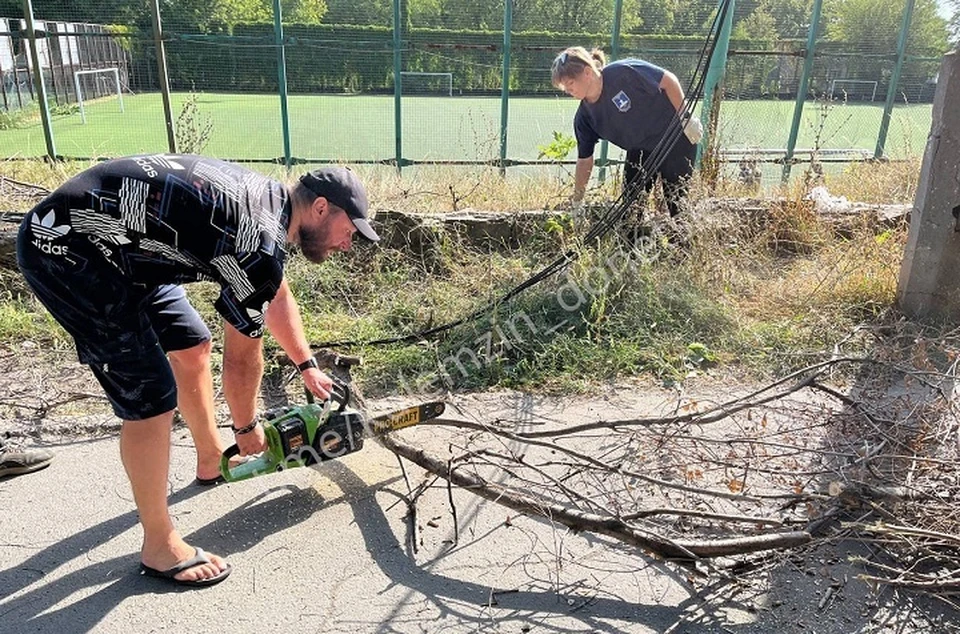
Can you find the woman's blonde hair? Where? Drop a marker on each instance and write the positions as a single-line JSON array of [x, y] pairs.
[[571, 62]]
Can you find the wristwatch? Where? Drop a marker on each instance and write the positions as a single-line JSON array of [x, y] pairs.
[[306, 365]]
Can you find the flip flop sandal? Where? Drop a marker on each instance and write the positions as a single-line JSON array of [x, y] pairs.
[[208, 482], [219, 479], [198, 559]]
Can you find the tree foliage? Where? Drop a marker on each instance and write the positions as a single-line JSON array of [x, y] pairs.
[[196, 15], [859, 23], [875, 24], [792, 17], [955, 22], [759, 25]]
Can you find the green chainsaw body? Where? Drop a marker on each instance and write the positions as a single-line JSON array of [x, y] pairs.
[[308, 434]]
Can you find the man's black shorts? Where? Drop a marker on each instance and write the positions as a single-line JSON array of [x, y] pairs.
[[122, 330]]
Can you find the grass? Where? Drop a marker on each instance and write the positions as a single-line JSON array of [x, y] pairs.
[[743, 304], [762, 296], [754, 307], [352, 128]]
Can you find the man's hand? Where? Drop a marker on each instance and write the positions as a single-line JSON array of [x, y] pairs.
[[694, 130], [318, 383], [252, 442]]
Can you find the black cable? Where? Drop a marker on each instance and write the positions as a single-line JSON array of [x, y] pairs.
[[604, 225], [613, 216]]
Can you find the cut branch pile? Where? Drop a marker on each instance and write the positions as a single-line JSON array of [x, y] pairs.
[[778, 468]]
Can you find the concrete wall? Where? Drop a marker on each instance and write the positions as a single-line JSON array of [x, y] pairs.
[[930, 274]]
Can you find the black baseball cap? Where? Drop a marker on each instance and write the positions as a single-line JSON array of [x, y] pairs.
[[342, 188]]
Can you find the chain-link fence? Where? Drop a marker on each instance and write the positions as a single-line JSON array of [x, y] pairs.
[[435, 90]]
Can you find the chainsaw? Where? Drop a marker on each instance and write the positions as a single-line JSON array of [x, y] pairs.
[[304, 435]]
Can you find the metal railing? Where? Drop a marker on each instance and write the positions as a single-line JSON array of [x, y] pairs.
[[741, 75]]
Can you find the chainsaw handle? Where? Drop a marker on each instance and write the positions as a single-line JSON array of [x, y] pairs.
[[339, 394], [230, 452]]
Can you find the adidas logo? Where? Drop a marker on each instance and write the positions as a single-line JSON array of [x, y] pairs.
[[167, 160], [257, 315], [45, 229]]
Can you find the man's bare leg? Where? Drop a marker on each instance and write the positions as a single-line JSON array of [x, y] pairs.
[[191, 368], [145, 452]]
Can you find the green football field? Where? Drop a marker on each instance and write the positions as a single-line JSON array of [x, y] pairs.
[[345, 128]]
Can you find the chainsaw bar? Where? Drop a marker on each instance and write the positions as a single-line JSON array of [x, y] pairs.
[[403, 418]]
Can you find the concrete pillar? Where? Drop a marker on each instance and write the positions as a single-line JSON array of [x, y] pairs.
[[930, 274]]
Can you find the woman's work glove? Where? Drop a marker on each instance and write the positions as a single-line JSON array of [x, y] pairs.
[[693, 129]]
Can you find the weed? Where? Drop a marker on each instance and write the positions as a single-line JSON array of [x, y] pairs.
[[559, 148], [10, 119], [193, 128], [64, 109], [711, 168], [762, 291], [794, 227], [30, 114], [878, 181]]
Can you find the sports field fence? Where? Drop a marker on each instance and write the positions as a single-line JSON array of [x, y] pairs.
[[277, 91]]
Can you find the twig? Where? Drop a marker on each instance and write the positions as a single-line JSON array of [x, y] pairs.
[[40, 188], [826, 597], [626, 472], [699, 418], [893, 529], [676, 550], [701, 514], [950, 585], [453, 507], [411, 505]]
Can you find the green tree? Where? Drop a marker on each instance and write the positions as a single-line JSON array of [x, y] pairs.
[[792, 17], [571, 16], [759, 25], [233, 12], [428, 12], [656, 16], [955, 22], [694, 17], [305, 11], [875, 25], [376, 12]]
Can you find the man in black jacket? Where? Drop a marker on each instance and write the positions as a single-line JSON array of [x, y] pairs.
[[106, 254]]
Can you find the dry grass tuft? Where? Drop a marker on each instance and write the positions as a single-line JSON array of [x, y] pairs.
[[759, 287], [878, 182]]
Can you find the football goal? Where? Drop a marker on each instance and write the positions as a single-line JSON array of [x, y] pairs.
[[97, 71], [416, 83], [853, 89]]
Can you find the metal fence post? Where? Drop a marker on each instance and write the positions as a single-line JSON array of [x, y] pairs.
[[505, 83], [718, 64], [282, 81], [802, 88], [397, 87], [895, 78], [38, 80], [163, 76], [614, 54]]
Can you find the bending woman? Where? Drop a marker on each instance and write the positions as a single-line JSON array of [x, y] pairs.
[[632, 104]]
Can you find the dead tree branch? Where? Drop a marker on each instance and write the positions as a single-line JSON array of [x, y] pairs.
[[617, 528]]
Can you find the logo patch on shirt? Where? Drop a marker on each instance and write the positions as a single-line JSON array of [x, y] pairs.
[[169, 161], [46, 228], [46, 231], [621, 101]]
